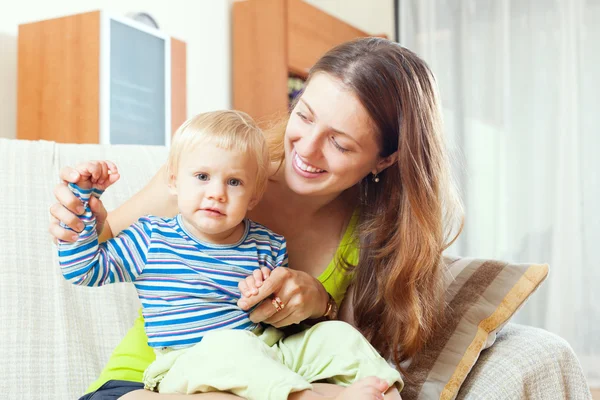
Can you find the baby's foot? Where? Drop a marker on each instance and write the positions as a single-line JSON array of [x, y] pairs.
[[366, 389]]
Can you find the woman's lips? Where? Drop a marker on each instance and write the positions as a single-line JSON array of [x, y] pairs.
[[305, 170]]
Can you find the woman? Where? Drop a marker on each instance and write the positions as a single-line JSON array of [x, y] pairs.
[[363, 157]]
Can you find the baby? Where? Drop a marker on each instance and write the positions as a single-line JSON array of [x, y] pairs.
[[187, 269]]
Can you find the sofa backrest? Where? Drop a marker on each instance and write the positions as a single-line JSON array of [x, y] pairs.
[[56, 337]]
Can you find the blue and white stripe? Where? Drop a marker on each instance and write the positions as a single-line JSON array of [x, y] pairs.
[[186, 287]]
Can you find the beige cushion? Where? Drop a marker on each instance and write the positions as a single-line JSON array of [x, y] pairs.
[[481, 295]]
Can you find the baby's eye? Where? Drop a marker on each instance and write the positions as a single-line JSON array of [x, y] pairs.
[[202, 177], [234, 182]]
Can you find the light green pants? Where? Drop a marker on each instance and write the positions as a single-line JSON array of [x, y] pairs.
[[269, 366]]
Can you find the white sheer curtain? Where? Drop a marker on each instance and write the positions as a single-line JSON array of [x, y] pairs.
[[520, 85]]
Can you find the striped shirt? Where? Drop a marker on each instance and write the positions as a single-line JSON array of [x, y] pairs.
[[187, 287]]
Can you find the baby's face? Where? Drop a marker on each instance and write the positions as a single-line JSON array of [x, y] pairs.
[[215, 188]]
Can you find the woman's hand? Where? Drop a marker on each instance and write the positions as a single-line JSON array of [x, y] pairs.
[[69, 207], [303, 296]]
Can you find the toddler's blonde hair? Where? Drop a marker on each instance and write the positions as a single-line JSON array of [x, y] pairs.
[[227, 129]]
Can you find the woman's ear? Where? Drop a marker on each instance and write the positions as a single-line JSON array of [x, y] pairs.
[[386, 162]]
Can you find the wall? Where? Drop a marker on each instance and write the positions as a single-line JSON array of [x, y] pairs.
[[373, 16], [203, 25]]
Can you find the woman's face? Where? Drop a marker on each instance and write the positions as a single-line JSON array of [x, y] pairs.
[[330, 143]]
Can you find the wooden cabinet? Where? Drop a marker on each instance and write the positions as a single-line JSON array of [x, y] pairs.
[[273, 39], [96, 78]]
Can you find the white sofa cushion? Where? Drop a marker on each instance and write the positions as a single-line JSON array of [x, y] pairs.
[[56, 337]]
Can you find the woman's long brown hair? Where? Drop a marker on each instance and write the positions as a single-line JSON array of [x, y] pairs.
[[412, 214]]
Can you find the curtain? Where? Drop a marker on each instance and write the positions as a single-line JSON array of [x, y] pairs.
[[520, 88]]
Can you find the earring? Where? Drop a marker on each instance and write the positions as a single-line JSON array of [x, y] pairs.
[[375, 177]]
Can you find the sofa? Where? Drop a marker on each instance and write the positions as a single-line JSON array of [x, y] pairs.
[[56, 337]]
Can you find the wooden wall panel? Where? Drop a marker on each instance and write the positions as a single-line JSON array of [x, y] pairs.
[[259, 58], [311, 32], [58, 79], [178, 84]]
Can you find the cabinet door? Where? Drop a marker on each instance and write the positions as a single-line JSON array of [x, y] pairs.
[[139, 101]]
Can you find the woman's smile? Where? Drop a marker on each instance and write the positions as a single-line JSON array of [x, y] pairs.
[[305, 169]]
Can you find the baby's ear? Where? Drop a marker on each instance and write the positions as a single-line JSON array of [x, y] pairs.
[[172, 182], [253, 202]]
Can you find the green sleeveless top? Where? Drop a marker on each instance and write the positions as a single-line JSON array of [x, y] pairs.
[[132, 356]]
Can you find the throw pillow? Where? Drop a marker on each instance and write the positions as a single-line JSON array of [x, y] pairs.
[[481, 296]]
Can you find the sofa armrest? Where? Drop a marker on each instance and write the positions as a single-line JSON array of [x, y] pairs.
[[526, 363]]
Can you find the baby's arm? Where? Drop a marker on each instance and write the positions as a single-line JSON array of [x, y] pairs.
[[86, 262], [249, 286]]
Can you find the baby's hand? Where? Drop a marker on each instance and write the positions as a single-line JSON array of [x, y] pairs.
[[97, 174], [249, 286]]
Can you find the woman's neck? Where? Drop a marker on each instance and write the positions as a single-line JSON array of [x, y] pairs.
[[309, 206]]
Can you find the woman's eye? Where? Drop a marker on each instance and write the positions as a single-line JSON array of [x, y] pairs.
[[302, 116], [202, 177], [234, 182], [337, 145]]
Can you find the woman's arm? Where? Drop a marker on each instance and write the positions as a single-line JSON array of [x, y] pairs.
[[87, 262], [154, 199]]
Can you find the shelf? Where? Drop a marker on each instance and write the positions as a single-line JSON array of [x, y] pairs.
[[275, 38]]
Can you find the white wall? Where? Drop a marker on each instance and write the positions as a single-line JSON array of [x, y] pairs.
[[203, 24], [372, 16]]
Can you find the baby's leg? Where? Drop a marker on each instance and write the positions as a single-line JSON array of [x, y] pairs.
[[393, 394], [235, 361], [364, 389], [367, 389], [336, 352]]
